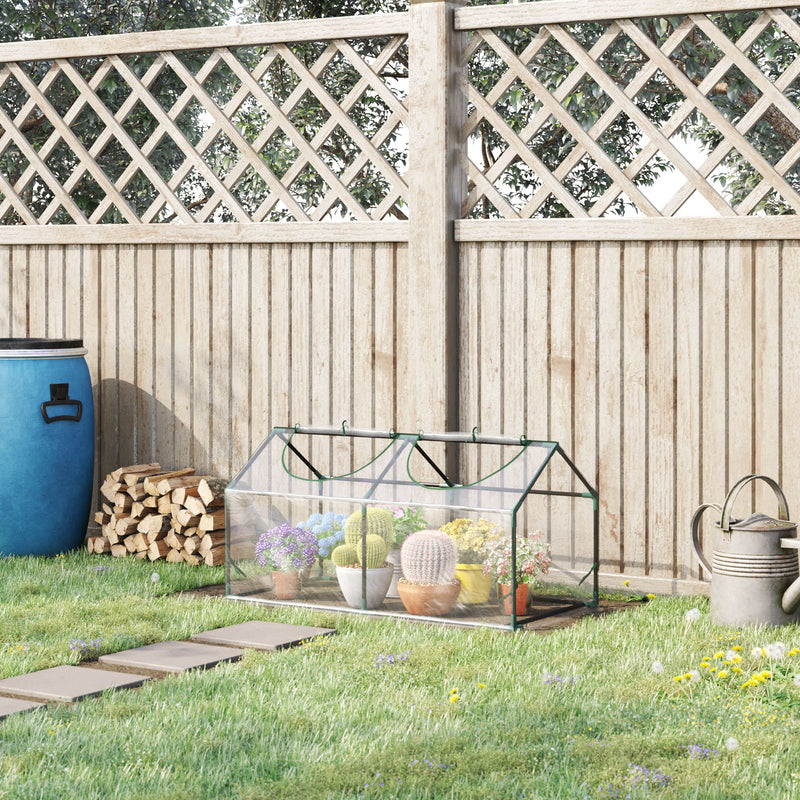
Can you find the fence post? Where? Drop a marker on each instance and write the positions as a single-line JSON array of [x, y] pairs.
[[427, 312]]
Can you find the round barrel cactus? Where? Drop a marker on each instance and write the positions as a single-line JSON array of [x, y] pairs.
[[379, 522], [429, 557]]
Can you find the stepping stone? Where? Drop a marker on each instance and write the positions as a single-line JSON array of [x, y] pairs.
[[172, 656], [9, 706], [68, 683], [261, 635]]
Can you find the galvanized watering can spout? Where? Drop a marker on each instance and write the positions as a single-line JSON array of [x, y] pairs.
[[754, 564]]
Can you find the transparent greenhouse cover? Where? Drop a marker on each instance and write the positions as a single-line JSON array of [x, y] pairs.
[[285, 468]]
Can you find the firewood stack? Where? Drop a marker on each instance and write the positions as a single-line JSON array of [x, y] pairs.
[[155, 514]]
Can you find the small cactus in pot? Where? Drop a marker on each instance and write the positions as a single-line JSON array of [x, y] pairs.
[[370, 553], [429, 559]]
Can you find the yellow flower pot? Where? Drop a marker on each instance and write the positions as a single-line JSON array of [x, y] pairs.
[[475, 585]]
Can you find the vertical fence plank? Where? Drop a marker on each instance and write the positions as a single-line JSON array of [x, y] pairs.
[[634, 407], [740, 368], [490, 319], [182, 348], [355, 383], [687, 407], [388, 258], [319, 342], [55, 306], [220, 422], [300, 368], [610, 405], [165, 354], [5, 291], [514, 324], [145, 344], [281, 330], [19, 292], [241, 357], [790, 367], [84, 280], [768, 383], [202, 313], [661, 409], [37, 290], [126, 354], [259, 332], [583, 444], [470, 352], [108, 333]]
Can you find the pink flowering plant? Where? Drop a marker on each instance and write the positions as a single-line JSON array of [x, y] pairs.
[[407, 520], [533, 559], [285, 548]]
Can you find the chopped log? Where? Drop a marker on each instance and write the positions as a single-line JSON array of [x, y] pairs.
[[164, 505], [141, 468], [90, 543], [156, 536], [119, 550], [139, 510], [101, 545], [191, 544], [126, 525], [123, 500], [150, 502], [140, 543], [153, 523], [212, 522], [184, 517], [191, 558], [175, 540], [194, 505], [212, 491], [109, 531], [107, 508], [210, 541], [153, 483], [183, 493], [102, 518], [158, 550], [130, 544], [141, 555], [131, 479], [174, 556], [215, 556], [110, 489], [137, 492]]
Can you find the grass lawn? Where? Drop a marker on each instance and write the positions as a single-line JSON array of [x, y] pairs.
[[390, 708]]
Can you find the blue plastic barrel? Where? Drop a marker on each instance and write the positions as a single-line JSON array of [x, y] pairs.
[[46, 446]]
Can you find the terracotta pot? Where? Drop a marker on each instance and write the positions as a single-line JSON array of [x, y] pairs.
[[285, 584], [428, 600], [523, 590]]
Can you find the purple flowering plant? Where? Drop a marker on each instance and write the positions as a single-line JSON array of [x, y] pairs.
[[285, 548]]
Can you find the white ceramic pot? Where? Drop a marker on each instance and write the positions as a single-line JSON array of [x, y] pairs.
[[378, 581]]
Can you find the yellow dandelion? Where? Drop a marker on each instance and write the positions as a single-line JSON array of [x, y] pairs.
[[737, 648], [720, 654], [723, 673], [454, 698], [678, 678], [737, 659], [766, 674], [453, 691], [626, 583], [651, 596], [705, 665], [713, 669], [737, 670], [794, 651], [481, 685]]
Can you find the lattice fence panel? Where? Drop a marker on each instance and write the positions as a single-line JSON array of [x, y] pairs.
[[302, 131], [580, 120]]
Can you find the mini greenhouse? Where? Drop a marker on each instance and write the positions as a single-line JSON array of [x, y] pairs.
[[459, 528]]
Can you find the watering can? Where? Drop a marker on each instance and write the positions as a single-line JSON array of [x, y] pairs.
[[754, 563]]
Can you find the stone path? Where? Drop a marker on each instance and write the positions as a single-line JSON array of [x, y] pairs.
[[71, 683]]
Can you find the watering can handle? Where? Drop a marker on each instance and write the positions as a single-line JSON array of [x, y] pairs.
[[696, 533], [727, 506]]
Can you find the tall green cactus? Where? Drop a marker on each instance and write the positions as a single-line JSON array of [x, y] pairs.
[[429, 557], [378, 540], [378, 522]]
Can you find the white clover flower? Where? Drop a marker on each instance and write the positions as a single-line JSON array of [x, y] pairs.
[[731, 743], [692, 615], [155, 577], [796, 681], [657, 667], [775, 651]]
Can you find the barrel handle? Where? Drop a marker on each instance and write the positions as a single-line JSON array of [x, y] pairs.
[[59, 397], [696, 533], [727, 506]]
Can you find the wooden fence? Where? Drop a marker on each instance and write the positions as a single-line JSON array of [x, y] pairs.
[[660, 350]]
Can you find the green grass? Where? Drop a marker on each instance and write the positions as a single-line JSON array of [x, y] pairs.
[[324, 721]]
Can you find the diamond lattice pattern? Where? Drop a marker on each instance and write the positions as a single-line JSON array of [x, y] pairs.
[[580, 120], [305, 132]]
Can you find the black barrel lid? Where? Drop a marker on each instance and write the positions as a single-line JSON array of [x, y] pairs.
[[40, 344]]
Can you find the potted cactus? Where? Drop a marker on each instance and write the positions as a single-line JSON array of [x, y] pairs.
[[429, 587], [367, 537]]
